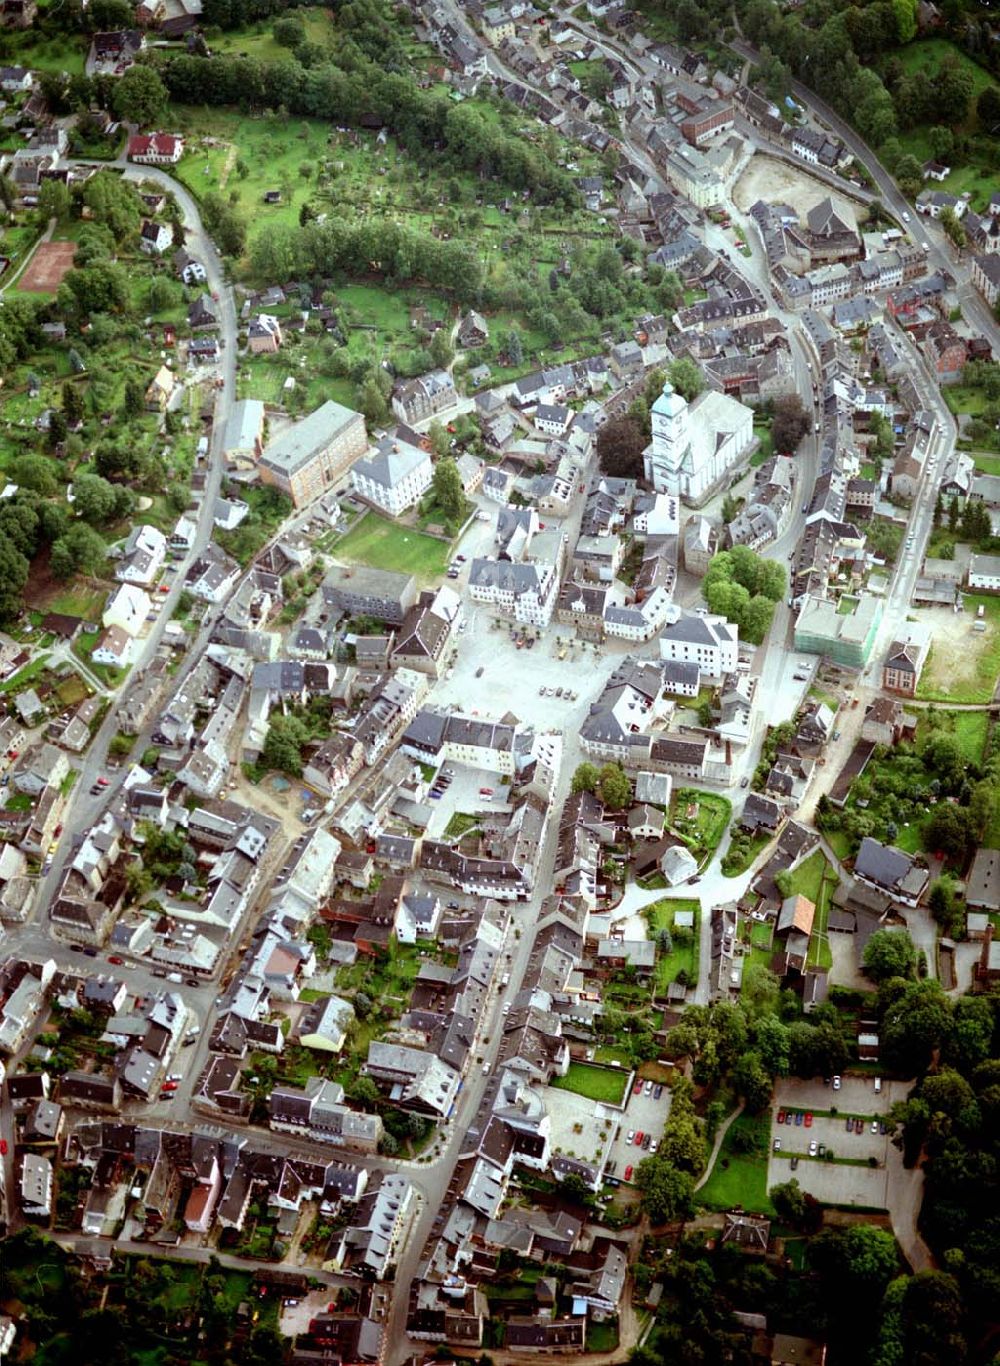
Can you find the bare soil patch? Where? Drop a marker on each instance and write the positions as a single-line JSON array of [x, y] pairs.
[[776, 183]]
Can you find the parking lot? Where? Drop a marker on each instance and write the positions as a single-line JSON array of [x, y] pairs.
[[643, 1114], [463, 793], [850, 1179]]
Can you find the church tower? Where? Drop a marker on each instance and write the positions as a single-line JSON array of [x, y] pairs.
[[665, 456]]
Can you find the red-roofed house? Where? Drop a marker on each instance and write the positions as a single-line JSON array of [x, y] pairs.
[[156, 149]]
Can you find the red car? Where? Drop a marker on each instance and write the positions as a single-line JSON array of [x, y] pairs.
[[102, 781], [113, 958], [781, 1116], [169, 1086], [3, 1149], [638, 1139], [809, 1118], [637, 1088], [628, 1173]]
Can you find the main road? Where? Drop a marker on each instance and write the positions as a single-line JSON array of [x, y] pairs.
[[84, 808], [939, 254]]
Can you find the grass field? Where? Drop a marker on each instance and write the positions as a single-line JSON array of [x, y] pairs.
[[385, 545], [57, 53], [596, 1083], [700, 818], [927, 54], [963, 398], [740, 1178], [258, 40], [660, 916], [968, 728]]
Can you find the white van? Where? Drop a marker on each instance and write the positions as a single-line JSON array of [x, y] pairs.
[[878, 1086]]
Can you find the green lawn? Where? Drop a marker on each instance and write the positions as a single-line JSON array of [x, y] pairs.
[[384, 544], [24, 677], [602, 1337], [740, 1178], [973, 678], [765, 450], [57, 53], [258, 40], [807, 878], [985, 463], [747, 849], [968, 728], [700, 819], [596, 1083], [683, 957], [78, 600], [962, 398]]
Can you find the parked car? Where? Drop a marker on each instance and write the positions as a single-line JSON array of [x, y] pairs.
[[799, 1117], [781, 1116], [649, 1088], [628, 1173], [638, 1138], [631, 1136], [3, 1147], [657, 1092], [637, 1088], [874, 1126], [795, 1163], [859, 1126], [647, 1140], [113, 958], [652, 1147], [849, 1125], [812, 1148], [809, 1119], [836, 1083], [777, 1145]]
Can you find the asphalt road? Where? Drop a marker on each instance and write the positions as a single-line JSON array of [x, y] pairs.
[[84, 810]]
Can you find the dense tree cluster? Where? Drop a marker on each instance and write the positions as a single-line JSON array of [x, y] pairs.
[[743, 587], [609, 782], [620, 444], [380, 247]]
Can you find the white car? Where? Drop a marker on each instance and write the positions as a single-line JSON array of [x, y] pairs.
[[777, 1145], [836, 1083], [812, 1148], [906, 217]]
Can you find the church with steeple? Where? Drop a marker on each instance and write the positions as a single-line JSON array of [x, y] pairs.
[[695, 446]]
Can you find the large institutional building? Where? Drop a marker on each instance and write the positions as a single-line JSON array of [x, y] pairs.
[[694, 447], [311, 456]]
